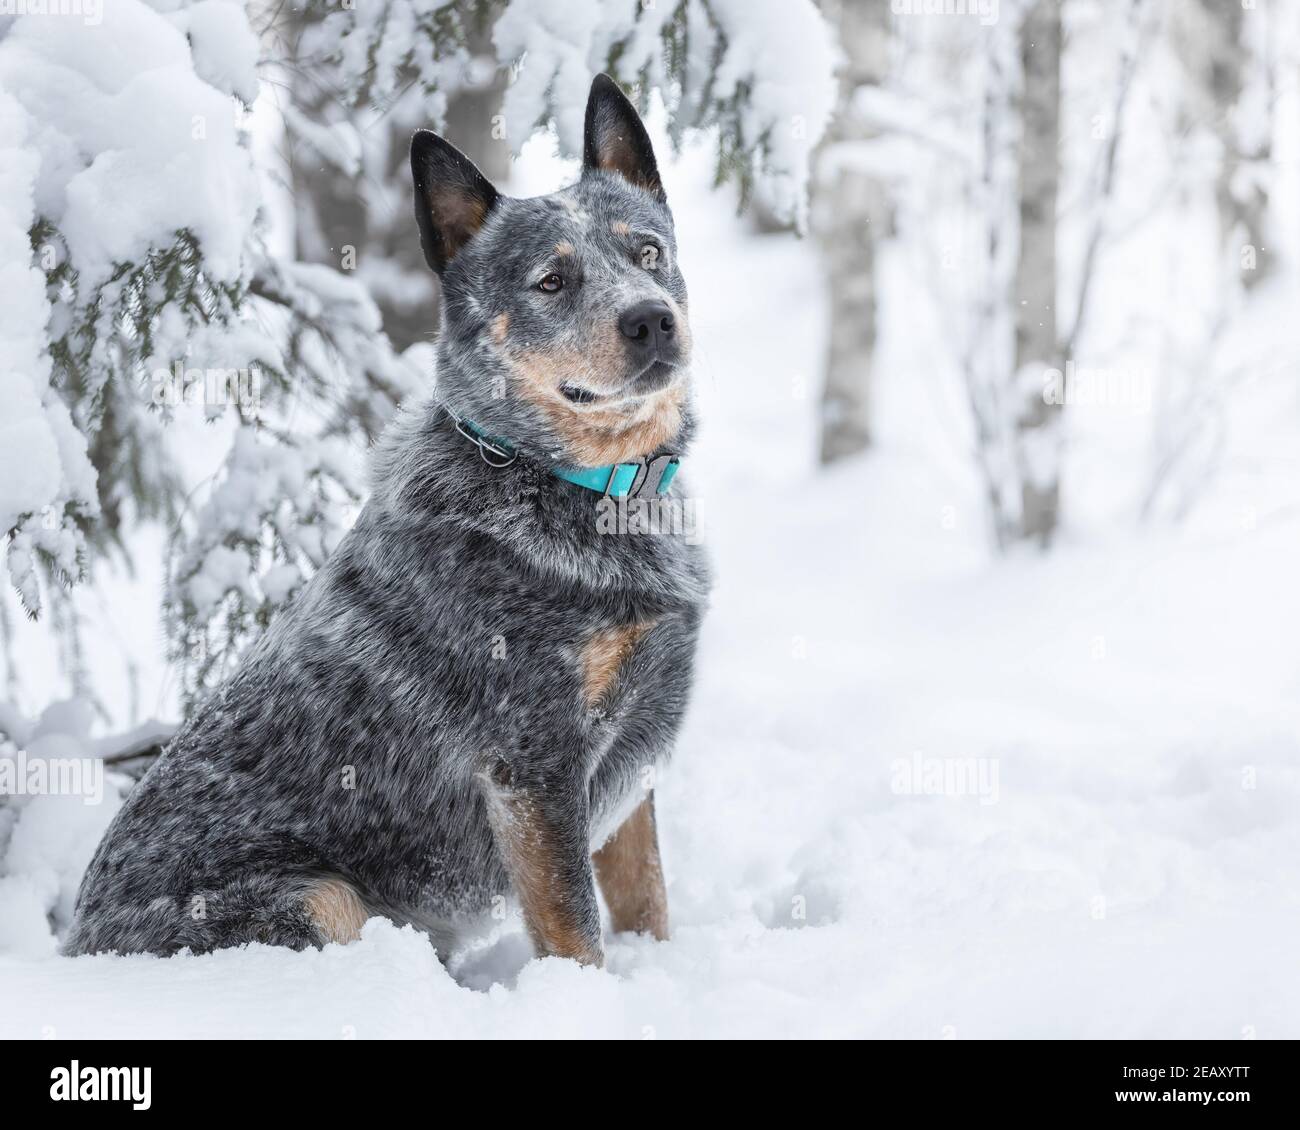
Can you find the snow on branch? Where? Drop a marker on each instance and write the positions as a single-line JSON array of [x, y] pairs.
[[270, 522], [716, 64], [47, 485]]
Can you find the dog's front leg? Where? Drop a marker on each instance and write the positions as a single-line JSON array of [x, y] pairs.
[[542, 834]]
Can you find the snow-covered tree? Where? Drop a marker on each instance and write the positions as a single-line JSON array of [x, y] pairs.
[[159, 296]]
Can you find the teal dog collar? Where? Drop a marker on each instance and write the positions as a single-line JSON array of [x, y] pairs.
[[640, 478]]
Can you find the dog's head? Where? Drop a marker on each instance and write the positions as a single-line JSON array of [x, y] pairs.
[[564, 320]]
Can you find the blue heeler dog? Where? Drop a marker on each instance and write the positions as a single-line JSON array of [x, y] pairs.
[[469, 699]]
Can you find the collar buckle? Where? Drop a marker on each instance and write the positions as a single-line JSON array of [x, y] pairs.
[[659, 469], [649, 474]]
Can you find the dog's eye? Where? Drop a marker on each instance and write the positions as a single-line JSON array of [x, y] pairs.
[[551, 283]]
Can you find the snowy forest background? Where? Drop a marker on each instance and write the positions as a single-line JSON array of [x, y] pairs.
[[996, 730]]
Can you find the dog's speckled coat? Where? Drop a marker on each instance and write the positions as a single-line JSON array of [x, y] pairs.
[[465, 700]]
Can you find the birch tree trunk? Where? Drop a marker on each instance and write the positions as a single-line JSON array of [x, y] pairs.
[[1242, 200], [852, 210], [1038, 425]]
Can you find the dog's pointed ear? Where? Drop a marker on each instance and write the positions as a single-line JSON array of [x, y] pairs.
[[616, 141], [452, 198]]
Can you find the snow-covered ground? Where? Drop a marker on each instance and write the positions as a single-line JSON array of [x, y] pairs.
[[922, 792]]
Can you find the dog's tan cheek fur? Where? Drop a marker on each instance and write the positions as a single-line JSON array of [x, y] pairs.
[[596, 436]]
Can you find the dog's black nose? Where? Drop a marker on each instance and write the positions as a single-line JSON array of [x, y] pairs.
[[648, 324]]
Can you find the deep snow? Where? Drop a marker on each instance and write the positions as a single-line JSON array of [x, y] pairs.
[[1127, 867]]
